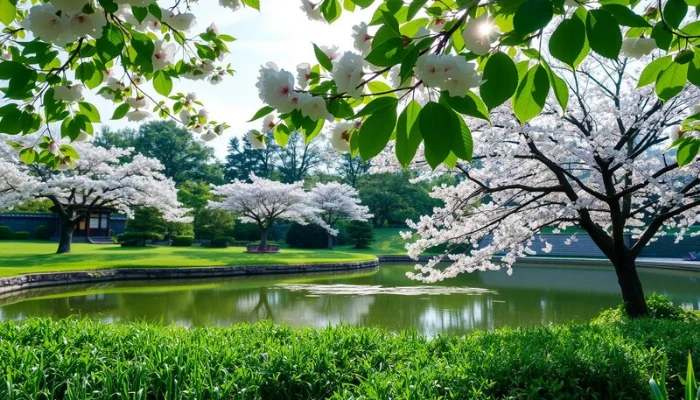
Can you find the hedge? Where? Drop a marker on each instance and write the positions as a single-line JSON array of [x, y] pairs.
[[21, 235], [6, 233], [42, 232], [136, 239], [309, 236], [182, 241]]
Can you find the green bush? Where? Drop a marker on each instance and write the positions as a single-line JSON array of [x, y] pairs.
[[250, 232], [221, 241], [360, 234], [310, 236], [137, 239], [182, 241], [6, 233], [21, 235], [660, 307], [82, 358], [42, 232]]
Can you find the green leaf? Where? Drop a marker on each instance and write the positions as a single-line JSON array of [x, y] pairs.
[[408, 63], [140, 13], [603, 32], [463, 146], [437, 126], [501, 78], [90, 111], [162, 83], [349, 5], [28, 155], [625, 16], [391, 22], [687, 152], [661, 35], [690, 383], [377, 105], [8, 10], [674, 12], [261, 113], [376, 131], [10, 122], [252, 4], [323, 59], [110, 44], [281, 134], [470, 105], [414, 7], [653, 69], [331, 10], [408, 136], [21, 83], [363, 3], [388, 53], [381, 89], [121, 111], [531, 94], [533, 15], [568, 41], [560, 88], [694, 69], [671, 80], [340, 108]]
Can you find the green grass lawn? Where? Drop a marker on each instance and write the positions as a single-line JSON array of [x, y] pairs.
[[387, 242], [22, 257]]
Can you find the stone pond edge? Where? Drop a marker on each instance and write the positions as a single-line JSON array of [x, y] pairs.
[[45, 279]]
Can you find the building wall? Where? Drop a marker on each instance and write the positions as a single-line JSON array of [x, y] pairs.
[[30, 221]]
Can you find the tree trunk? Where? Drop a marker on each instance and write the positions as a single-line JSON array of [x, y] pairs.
[[263, 239], [330, 241], [65, 235], [631, 286]]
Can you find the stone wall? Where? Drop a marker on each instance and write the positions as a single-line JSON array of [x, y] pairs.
[[29, 281]]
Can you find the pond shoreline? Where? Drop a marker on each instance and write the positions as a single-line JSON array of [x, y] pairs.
[[44, 279], [642, 262]]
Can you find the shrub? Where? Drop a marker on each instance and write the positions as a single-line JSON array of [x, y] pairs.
[[6, 233], [572, 361], [310, 236], [249, 232], [182, 241], [360, 234], [660, 307], [137, 239], [21, 235], [221, 241], [42, 232]]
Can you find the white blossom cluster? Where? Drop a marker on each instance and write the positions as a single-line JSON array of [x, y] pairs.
[[336, 201], [98, 179], [263, 201], [559, 172]]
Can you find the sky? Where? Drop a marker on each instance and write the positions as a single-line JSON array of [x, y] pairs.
[[280, 32]]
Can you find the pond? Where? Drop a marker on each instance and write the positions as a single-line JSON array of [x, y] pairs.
[[383, 297]]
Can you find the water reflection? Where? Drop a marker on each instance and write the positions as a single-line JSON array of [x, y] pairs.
[[383, 297]]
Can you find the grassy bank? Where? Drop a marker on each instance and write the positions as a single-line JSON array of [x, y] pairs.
[[80, 359], [23, 257]]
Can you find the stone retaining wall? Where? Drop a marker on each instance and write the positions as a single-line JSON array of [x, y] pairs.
[[29, 281]]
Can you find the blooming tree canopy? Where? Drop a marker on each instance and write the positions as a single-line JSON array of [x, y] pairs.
[[605, 166], [335, 202], [467, 57], [97, 180], [263, 202]]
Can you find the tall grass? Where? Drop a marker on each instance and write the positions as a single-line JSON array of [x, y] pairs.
[[84, 359]]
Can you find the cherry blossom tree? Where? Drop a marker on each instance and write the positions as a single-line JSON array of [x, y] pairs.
[[464, 55], [96, 180], [607, 166], [335, 202], [263, 202]]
